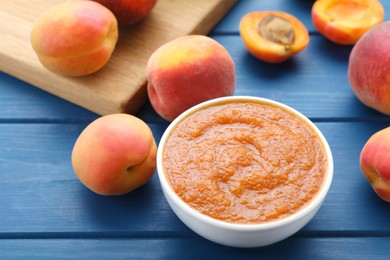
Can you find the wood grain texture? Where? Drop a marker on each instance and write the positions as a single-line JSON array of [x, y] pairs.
[[46, 213], [41, 194], [192, 248], [121, 85], [314, 82], [299, 8]]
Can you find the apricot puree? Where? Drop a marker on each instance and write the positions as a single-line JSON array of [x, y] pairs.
[[244, 162]]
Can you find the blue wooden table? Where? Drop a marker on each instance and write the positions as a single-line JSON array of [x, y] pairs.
[[45, 212]]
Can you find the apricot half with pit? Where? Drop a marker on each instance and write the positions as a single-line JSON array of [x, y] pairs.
[[273, 36], [345, 21]]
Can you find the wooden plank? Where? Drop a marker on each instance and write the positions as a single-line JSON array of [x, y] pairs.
[[352, 206], [119, 86], [360, 248], [314, 82], [40, 193], [300, 9], [45, 213], [21, 101]]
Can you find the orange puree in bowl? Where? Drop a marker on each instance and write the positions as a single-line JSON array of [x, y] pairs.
[[245, 162]]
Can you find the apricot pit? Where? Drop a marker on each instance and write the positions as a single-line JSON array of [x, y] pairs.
[[273, 36], [277, 29]]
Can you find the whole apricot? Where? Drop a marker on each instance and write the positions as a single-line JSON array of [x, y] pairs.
[[345, 21], [375, 163], [187, 71], [369, 68], [75, 38], [129, 11], [273, 36], [115, 154]]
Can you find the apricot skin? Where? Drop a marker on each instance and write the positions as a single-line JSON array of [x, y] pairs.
[[75, 38], [266, 50], [187, 71], [115, 154], [369, 70], [344, 21], [375, 163], [129, 12]]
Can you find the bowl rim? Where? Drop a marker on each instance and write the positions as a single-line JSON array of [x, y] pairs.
[[313, 206]]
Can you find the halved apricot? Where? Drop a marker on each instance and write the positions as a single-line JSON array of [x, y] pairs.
[[273, 36], [345, 21]]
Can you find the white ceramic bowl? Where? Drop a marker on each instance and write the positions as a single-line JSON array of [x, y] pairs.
[[242, 235]]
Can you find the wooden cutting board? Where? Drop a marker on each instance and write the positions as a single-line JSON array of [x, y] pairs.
[[121, 85]]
